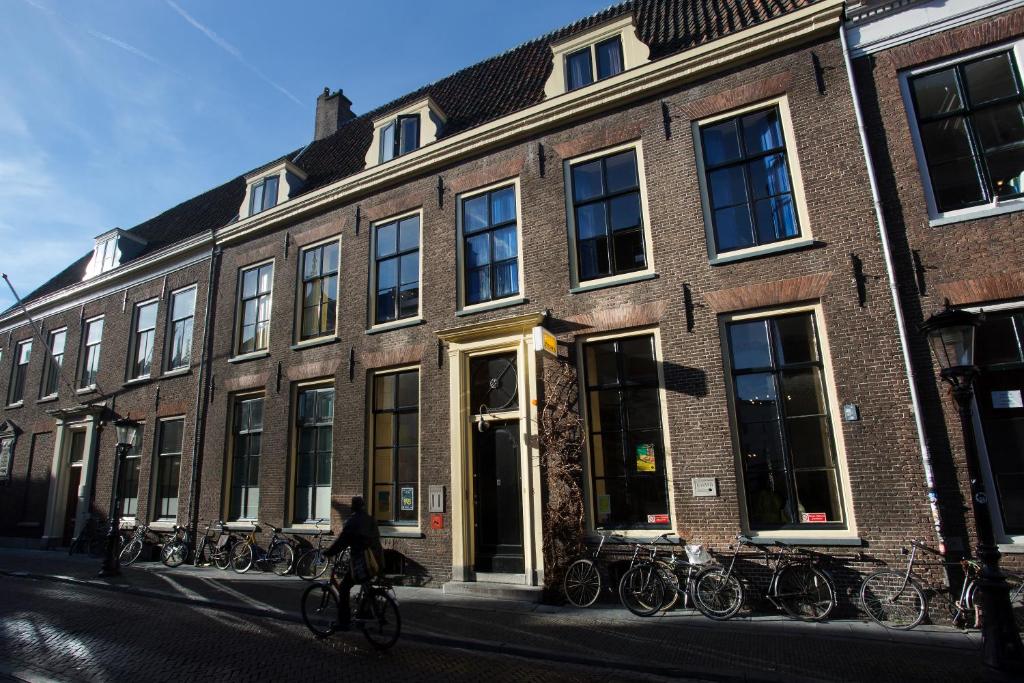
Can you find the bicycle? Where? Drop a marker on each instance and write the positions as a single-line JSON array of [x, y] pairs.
[[279, 555], [375, 611], [641, 589], [797, 585], [133, 548], [679, 574], [312, 563], [213, 549], [175, 550], [585, 577], [93, 538], [897, 600]]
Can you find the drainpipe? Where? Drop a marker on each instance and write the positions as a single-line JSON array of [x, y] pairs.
[[202, 390], [926, 460]]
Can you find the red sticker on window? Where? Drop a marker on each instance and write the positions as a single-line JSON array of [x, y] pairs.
[[657, 519], [814, 517]]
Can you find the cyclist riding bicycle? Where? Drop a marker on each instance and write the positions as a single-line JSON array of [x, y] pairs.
[[359, 533]]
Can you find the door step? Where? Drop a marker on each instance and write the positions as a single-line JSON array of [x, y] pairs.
[[494, 591]]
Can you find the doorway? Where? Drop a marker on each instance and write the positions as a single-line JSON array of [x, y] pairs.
[[76, 456], [497, 499]]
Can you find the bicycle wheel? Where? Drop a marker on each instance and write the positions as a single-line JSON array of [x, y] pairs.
[[174, 553], [222, 557], [131, 552], [668, 575], [380, 620], [320, 609], [311, 565], [893, 601], [200, 551], [642, 590], [241, 557], [582, 583], [805, 592], [280, 558], [717, 594]]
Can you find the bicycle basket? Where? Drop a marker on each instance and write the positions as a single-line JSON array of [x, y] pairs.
[[697, 554]]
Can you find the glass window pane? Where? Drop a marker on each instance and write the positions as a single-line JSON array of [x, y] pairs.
[[594, 258], [748, 345], [386, 305], [604, 407], [256, 201], [728, 187], [387, 274], [732, 228], [505, 243], [762, 131], [936, 93], [506, 279], [803, 392], [809, 441], [409, 233], [756, 398], [478, 250], [607, 449], [769, 176], [146, 317], [311, 263], [990, 78], [330, 257], [387, 239], [1000, 126], [590, 220], [184, 304], [818, 492], [638, 362], [478, 285], [474, 213], [946, 139], [642, 409], [602, 364], [409, 300], [266, 275], [410, 269], [776, 219], [621, 170], [767, 496], [503, 206], [795, 339], [407, 465], [387, 142], [382, 470], [998, 340], [609, 57], [1006, 171], [409, 137], [408, 429], [629, 250], [578, 69], [586, 180], [720, 142], [625, 211], [408, 390], [384, 392], [956, 184]]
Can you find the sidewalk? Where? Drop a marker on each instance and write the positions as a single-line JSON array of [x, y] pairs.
[[679, 643]]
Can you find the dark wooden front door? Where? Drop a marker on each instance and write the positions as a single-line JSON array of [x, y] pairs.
[[497, 502], [71, 504]]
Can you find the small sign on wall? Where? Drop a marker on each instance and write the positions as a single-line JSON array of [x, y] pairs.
[[1007, 400], [436, 498], [813, 517], [544, 341], [704, 486], [436, 521], [657, 519]]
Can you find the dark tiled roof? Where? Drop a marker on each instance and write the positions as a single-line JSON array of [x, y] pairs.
[[473, 96]]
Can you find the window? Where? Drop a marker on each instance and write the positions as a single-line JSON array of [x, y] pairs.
[[970, 124], [490, 250], [92, 338], [396, 446], [183, 309], [579, 65], [313, 455], [607, 215], [263, 195], [106, 254], [142, 340], [319, 290], [747, 181], [19, 374], [168, 467], [56, 343], [1000, 355], [784, 428], [255, 300], [399, 137], [397, 269], [128, 490], [245, 461], [627, 446]]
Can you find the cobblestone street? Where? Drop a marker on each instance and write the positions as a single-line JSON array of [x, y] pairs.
[[155, 623]]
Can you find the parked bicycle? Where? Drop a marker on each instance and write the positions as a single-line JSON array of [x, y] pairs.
[[374, 611], [641, 588], [797, 585], [213, 548], [587, 576], [175, 550], [313, 563], [278, 557], [133, 548], [92, 539], [898, 599]]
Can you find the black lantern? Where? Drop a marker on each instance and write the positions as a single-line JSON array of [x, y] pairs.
[[951, 335], [127, 433]]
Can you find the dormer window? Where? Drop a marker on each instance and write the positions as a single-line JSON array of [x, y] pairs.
[[406, 130], [594, 55], [606, 56], [263, 195], [399, 137], [110, 250]]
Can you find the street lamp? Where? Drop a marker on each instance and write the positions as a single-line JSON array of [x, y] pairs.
[[951, 335], [127, 432]]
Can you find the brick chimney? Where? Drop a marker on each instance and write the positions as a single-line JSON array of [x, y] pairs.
[[332, 110]]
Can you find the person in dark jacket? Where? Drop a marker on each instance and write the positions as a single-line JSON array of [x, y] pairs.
[[359, 533]]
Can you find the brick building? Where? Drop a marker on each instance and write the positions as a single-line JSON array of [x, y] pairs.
[[680, 197]]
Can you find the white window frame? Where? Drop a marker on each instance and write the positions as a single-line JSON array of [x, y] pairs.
[[121, 474], [372, 284], [14, 369], [634, 53], [50, 370], [171, 323], [993, 208], [806, 236], [299, 300], [229, 461], [460, 286], [570, 214], [835, 413], [588, 478], [299, 388], [391, 528], [157, 460], [133, 345], [85, 353], [240, 312]]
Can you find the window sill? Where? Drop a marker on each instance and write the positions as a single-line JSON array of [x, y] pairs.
[[14, 406], [137, 381], [964, 215], [177, 373], [163, 525], [318, 341], [632, 535], [48, 399], [240, 526], [492, 305], [613, 281], [766, 250], [401, 532], [823, 539], [1011, 548], [249, 356], [397, 325], [86, 390], [305, 530]]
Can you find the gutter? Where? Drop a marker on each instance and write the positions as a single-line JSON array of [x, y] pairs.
[[883, 232], [202, 391]]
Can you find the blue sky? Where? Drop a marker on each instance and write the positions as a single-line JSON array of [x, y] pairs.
[[111, 112]]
